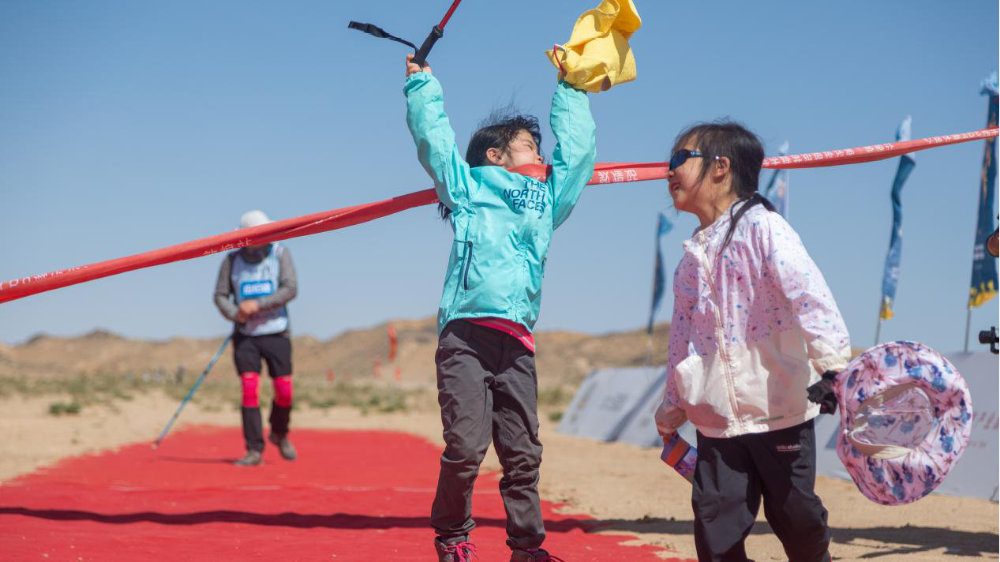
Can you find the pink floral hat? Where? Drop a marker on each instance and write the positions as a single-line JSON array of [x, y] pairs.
[[905, 416]]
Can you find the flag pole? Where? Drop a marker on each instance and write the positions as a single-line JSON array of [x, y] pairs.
[[649, 349], [968, 324], [878, 328]]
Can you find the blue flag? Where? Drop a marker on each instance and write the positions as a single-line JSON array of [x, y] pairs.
[[891, 276], [663, 226], [777, 188], [984, 267]]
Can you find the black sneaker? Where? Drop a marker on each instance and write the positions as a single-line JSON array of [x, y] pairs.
[[252, 458], [284, 446], [457, 549]]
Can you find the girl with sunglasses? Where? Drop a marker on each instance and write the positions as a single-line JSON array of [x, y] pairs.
[[754, 325], [503, 221]]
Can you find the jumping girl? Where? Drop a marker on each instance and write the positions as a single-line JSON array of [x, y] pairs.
[[503, 221], [754, 324]]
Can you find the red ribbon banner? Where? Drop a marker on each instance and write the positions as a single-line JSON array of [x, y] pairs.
[[604, 173]]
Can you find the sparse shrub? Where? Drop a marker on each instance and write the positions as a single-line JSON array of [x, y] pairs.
[[554, 396], [67, 408], [321, 403], [218, 392]]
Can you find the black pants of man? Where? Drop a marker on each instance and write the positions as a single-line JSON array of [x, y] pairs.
[[487, 387], [249, 352], [731, 477]]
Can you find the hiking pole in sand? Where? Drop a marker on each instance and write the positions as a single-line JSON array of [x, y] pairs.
[[420, 54], [190, 393]]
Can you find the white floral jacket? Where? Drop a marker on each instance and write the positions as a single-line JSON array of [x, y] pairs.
[[753, 326]]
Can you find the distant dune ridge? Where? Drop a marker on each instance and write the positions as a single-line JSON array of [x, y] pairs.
[[563, 357]]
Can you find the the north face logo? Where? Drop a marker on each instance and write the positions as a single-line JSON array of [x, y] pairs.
[[533, 196]]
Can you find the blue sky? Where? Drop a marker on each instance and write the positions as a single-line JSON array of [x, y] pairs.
[[129, 126]]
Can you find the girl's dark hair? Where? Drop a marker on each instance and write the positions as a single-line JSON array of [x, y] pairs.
[[498, 130], [745, 153]]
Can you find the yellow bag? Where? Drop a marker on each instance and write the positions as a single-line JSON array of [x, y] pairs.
[[597, 55]]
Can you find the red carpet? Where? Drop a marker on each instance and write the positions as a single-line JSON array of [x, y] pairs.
[[351, 496]]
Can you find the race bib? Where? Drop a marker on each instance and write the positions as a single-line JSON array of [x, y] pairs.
[[255, 289]]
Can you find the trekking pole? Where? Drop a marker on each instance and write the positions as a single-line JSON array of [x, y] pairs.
[[436, 33], [190, 393], [420, 54]]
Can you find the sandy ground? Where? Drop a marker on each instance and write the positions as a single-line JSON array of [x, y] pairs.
[[625, 487]]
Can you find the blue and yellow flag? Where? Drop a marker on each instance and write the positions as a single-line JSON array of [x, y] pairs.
[[984, 267], [891, 276], [663, 226]]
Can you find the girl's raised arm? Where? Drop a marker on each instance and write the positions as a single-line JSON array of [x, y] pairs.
[[435, 139], [576, 149]]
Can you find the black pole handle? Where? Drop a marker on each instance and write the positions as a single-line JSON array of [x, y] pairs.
[[421, 56]]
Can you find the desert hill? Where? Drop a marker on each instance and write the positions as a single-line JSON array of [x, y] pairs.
[[563, 357]]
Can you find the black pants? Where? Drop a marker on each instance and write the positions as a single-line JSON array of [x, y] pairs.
[[249, 352], [487, 387], [731, 477]]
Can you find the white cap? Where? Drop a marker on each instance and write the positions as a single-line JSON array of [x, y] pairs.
[[253, 218]]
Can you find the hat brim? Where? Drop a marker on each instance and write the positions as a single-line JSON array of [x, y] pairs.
[[894, 476]]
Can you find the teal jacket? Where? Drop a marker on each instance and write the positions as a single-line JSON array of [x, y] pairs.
[[503, 221]]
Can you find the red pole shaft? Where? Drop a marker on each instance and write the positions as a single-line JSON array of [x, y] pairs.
[[451, 10]]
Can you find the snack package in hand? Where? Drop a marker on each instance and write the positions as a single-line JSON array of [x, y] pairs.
[[680, 455]]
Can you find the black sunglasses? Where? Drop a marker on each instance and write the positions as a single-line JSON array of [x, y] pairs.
[[681, 156]]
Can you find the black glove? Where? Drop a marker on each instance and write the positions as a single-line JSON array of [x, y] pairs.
[[822, 393]]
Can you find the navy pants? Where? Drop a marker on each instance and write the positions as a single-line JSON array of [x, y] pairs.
[[487, 389], [732, 475]]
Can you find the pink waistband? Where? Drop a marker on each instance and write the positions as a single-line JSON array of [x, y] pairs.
[[519, 332]]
